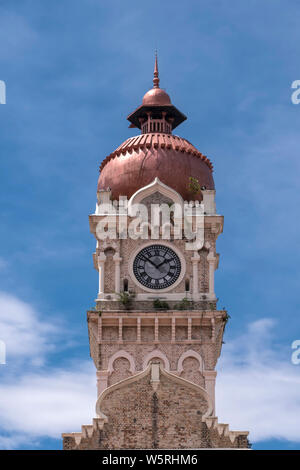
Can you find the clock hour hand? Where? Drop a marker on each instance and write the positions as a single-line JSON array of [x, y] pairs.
[[163, 262]]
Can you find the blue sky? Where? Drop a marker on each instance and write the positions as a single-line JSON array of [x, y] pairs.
[[73, 72]]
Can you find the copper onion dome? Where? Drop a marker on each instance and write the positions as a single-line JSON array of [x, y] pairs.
[[155, 153]]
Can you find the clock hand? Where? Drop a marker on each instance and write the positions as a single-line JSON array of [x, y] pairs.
[[147, 259], [160, 264], [164, 261]]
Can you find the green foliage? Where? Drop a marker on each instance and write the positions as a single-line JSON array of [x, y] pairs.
[[184, 304], [225, 319], [194, 185], [160, 304], [126, 298]]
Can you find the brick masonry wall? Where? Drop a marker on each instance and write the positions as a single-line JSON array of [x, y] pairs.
[[191, 371], [208, 350], [139, 417], [121, 371], [173, 352]]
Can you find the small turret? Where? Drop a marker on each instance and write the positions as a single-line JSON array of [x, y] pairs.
[[157, 113]]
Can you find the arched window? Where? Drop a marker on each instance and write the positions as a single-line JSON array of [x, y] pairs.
[[187, 285], [125, 285]]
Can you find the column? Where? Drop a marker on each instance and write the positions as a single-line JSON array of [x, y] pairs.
[[101, 265], [195, 261], [211, 275], [102, 380], [117, 261], [138, 333], [173, 337], [156, 330], [99, 329], [120, 330], [210, 382], [189, 329], [213, 330]]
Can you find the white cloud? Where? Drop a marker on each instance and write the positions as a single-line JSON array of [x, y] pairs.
[[14, 441], [27, 338], [256, 389], [38, 401], [49, 403]]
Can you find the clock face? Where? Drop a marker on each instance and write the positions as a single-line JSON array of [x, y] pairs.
[[157, 267]]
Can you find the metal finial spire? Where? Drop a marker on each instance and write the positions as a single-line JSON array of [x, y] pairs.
[[156, 78]]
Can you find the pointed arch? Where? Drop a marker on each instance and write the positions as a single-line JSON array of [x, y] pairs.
[[190, 353], [117, 355], [160, 355], [155, 186]]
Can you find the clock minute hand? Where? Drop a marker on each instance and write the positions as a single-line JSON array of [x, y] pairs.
[[147, 259]]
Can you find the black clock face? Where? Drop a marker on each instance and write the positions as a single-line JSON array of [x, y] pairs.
[[157, 267]]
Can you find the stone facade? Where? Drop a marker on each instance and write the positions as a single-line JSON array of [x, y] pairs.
[[155, 409], [155, 340], [125, 249], [185, 339]]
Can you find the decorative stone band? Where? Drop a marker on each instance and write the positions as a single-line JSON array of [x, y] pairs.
[[164, 141]]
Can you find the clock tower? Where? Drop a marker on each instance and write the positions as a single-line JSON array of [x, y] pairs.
[[155, 333]]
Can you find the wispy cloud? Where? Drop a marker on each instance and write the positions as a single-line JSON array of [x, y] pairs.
[[28, 339], [39, 400], [45, 404], [258, 389]]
